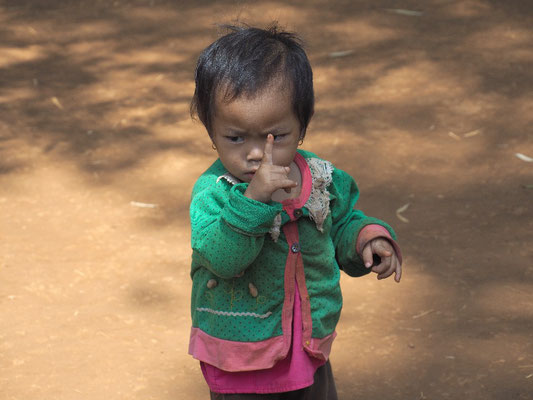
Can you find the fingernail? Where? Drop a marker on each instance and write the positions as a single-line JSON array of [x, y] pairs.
[[368, 264]]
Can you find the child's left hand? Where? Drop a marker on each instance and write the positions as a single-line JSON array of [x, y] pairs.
[[389, 260]]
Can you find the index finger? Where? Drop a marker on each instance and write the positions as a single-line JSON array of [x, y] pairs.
[[267, 152], [398, 271]]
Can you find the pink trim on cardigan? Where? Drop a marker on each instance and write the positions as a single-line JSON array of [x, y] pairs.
[[318, 348], [290, 205], [236, 356], [374, 231]]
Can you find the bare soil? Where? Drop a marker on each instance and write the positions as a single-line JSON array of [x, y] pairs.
[[425, 103]]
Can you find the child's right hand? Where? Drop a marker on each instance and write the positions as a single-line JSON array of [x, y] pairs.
[[269, 177]]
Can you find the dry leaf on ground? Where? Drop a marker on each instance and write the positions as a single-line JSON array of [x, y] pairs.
[[57, 103]]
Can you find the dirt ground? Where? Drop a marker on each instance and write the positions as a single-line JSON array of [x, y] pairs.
[[426, 103]]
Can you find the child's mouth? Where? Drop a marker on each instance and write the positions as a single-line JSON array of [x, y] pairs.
[[249, 175]]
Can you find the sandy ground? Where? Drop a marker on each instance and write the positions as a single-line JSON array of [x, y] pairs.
[[425, 103]]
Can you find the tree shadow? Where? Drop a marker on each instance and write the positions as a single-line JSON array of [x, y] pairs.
[[53, 94]]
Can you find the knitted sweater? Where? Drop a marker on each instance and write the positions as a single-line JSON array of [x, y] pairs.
[[248, 256]]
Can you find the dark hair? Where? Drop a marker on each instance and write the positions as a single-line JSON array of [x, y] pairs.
[[245, 61]]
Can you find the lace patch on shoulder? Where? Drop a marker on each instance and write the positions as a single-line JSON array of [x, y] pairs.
[[318, 202], [228, 177]]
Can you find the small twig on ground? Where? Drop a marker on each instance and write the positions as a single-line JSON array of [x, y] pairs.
[[523, 157], [409, 13], [454, 135], [472, 133], [423, 313], [142, 205], [399, 212], [338, 54]]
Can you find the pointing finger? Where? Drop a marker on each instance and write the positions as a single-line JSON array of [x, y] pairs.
[[267, 152], [398, 272]]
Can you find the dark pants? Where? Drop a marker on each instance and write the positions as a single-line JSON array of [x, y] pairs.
[[323, 388]]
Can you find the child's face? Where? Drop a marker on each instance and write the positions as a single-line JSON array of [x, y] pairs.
[[240, 129]]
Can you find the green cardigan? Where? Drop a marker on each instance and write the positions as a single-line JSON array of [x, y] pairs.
[[240, 251]]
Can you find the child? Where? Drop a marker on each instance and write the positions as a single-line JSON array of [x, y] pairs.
[[272, 226]]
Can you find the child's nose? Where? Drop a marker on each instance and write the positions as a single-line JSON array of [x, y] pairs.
[[255, 153]]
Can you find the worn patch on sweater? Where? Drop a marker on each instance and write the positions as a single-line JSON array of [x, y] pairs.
[[318, 202]]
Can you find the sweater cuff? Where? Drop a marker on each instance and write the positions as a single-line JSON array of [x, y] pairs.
[[249, 216], [374, 231]]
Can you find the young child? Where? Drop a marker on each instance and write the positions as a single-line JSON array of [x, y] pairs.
[[272, 226]]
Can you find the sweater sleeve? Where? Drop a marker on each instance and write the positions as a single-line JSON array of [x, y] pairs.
[[347, 223], [228, 229]]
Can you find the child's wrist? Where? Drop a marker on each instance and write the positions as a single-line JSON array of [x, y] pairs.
[[249, 192]]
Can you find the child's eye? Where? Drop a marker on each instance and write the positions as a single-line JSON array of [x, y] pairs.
[[277, 138], [235, 139]]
